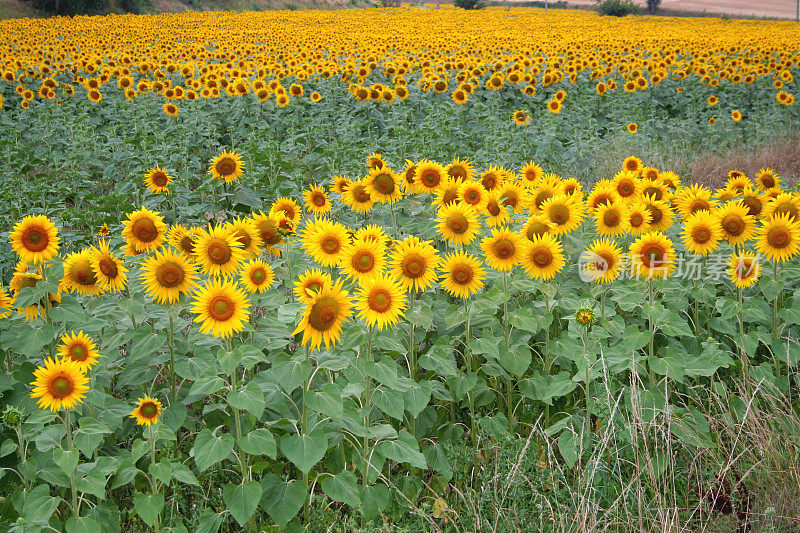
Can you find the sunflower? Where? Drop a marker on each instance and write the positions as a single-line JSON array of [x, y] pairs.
[[736, 115], [35, 239], [542, 257], [601, 261], [767, 179], [502, 249], [221, 307], [661, 216], [380, 301], [460, 169], [244, 230], [520, 117], [94, 95], [458, 223], [669, 179], [428, 176], [612, 219], [218, 251], [25, 277], [324, 315], [695, 198], [702, 233], [310, 283], [5, 303], [147, 411], [652, 255], [324, 241], [654, 189], [447, 192], [754, 200], [371, 233], [80, 349], [554, 106], [358, 197], [744, 269], [383, 184], [157, 180], [565, 212], [79, 277], [256, 276], [315, 97], [362, 260], [627, 184], [167, 275], [778, 237], [413, 263], [183, 239], [632, 164], [108, 268], [268, 231], [144, 230], [60, 383], [531, 174], [572, 186], [639, 218], [496, 212], [316, 200], [409, 176], [785, 202], [473, 194], [227, 166], [339, 184], [462, 274], [375, 160], [738, 225], [545, 188], [513, 196], [171, 109], [633, 127], [104, 231], [288, 207], [603, 192]]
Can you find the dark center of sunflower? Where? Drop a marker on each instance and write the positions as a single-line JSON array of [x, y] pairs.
[[149, 410], [35, 239], [221, 308], [413, 266], [733, 225], [288, 211], [61, 387], [603, 262], [318, 199], [170, 275], [258, 276], [625, 188], [701, 235], [144, 230], [542, 196], [786, 208], [611, 218], [380, 300], [243, 238], [632, 166], [363, 261], [503, 248], [493, 208], [489, 182], [360, 194], [457, 223], [186, 244], [78, 352], [462, 274], [330, 245], [160, 179], [778, 237], [226, 166], [83, 274], [542, 257], [430, 179], [267, 232], [384, 183], [654, 192], [655, 214], [653, 256], [559, 214], [323, 313], [108, 267], [636, 220], [767, 182], [753, 205], [450, 196], [536, 229], [218, 252], [457, 172], [472, 197], [744, 269]]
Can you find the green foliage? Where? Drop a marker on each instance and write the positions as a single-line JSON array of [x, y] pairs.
[[617, 8], [469, 4]]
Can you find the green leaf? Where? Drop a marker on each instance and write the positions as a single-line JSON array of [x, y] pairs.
[[162, 470], [515, 360], [327, 401], [247, 197], [94, 482], [228, 361], [440, 358], [546, 388], [290, 373], [209, 449], [305, 451], [375, 498], [67, 460], [342, 487], [242, 500], [148, 506], [435, 456], [389, 401], [259, 442], [83, 524], [417, 398], [39, 506], [90, 434], [404, 449], [209, 521], [9, 446], [568, 447], [182, 473], [204, 387], [250, 399], [280, 499]]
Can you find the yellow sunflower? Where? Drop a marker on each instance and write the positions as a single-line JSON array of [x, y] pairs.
[[632, 164], [59, 384], [79, 276], [35, 239], [340, 184], [80, 349], [738, 225], [311, 282], [695, 198], [227, 166], [701, 233], [167, 275], [754, 200], [612, 219], [413, 263], [383, 185], [661, 215], [462, 274], [244, 230], [375, 160], [652, 256], [268, 231], [147, 411], [473, 194], [324, 241], [460, 169], [542, 257], [602, 261], [288, 208], [218, 251], [767, 179], [531, 173], [786, 202], [458, 223], [537, 225], [362, 260], [603, 192], [565, 212], [144, 230], [447, 193], [157, 180], [496, 213], [744, 269], [256, 276], [428, 176], [316, 200], [324, 315], [502, 249], [222, 308], [108, 268], [358, 198], [380, 301], [778, 237], [5, 302], [513, 196], [639, 218]]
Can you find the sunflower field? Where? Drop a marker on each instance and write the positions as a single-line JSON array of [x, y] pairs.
[[365, 270]]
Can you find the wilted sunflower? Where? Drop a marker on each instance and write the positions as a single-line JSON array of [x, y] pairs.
[[542, 257], [324, 241], [738, 225], [244, 230], [652, 255], [458, 223], [744, 269], [80, 349], [428, 176], [310, 283], [324, 315], [362, 260], [157, 180], [35, 239], [380, 301], [144, 230], [221, 307], [218, 251], [565, 212], [288, 207], [382, 184], [778, 237], [316, 200], [147, 411], [413, 263], [59, 384], [701, 233], [612, 219], [227, 166], [79, 276], [502, 249], [602, 261], [108, 268], [167, 275], [256, 276], [462, 274]]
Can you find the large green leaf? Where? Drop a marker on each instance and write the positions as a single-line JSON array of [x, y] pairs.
[[250, 398], [148, 506], [259, 442], [342, 487], [304, 451], [242, 500], [282, 499], [404, 449], [210, 449]]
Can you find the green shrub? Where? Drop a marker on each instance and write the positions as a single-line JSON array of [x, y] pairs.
[[470, 4], [617, 8]]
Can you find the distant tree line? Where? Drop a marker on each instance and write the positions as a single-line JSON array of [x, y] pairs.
[[89, 7]]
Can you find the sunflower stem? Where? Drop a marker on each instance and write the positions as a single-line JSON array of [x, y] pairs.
[[470, 397], [652, 327], [507, 336], [775, 335], [76, 511], [547, 357], [304, 431], [171, 340], [742, 354]]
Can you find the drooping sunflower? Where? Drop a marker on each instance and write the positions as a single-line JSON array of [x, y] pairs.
[[502, 249], [311, 282], [35, 239], [222, 308], [244, 230], [375, 160], [661, 215], [147, 411], [218, 251], [738, 225], [701, 233], [358, 198], [462, 274], [108, 268], [168, 274], [428, 176], [566, 212], [157, 180], [380, 301], [268, 231], [59, 384], [602, 261], [362, 260], [458, 223], [324, 241], [316, 200], [144, 230], [496, 212], [79, 276], [256, 276], [652, 256], [744, 269], [785, 202], [383, 184], [778, 237], [513, 196], [542, 257], [447, 193], [80, 349], [413, 263], [288, 207], [227, 166], [324, 315], [612, 219]]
